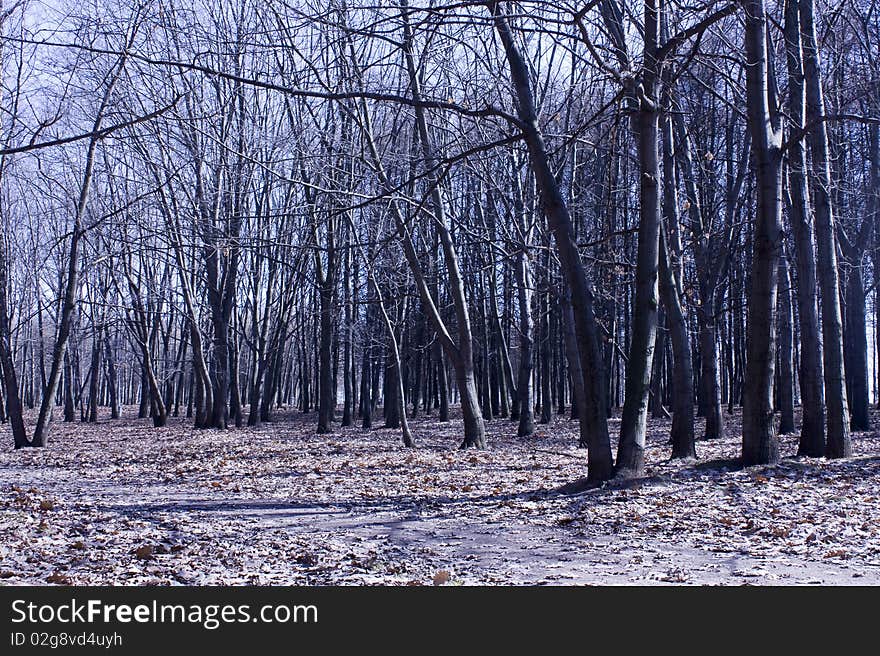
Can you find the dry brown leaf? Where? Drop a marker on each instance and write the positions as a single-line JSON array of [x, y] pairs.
[[58, 579], [144, 553]]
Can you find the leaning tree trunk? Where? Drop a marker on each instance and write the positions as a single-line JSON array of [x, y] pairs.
[[71, 289], [396, 393], [59, 352], [461, 355], [593, 418]]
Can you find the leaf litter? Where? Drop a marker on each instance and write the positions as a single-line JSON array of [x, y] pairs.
[[124, 503]]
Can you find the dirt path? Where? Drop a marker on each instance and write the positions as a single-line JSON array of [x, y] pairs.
[[130, 505]]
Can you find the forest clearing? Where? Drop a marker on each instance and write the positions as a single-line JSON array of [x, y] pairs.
[[279, 505]]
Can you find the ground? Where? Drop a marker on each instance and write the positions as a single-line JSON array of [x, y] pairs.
[[120, 502]]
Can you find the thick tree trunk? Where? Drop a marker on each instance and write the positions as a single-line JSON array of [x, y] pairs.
[[670, 287], [219, 410], [759, 443], [631, 447], [70, 385]]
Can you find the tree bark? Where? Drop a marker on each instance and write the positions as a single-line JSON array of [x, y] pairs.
[[838, 443], [759, 443], [593, 418], [631, 447], [810, 374], [785, 379]]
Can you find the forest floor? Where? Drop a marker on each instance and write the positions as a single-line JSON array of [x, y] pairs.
[[123, 503]]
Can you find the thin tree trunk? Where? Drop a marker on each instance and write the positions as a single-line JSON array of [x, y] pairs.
[[838, 443], [856, 348], [110, 361], [810, 374], [785, 391]]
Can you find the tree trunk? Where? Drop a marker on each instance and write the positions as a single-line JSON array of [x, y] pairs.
[[593, 418], [95, 375], [573, 357], [838, 443], [631, 447], [810, 374], [325, 361], [759, 443], [522, 273], [10, 380], [670, 287], [110, 361], [785, 391], [856, 349]]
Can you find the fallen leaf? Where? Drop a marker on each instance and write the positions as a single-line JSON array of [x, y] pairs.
[[144, 553]]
